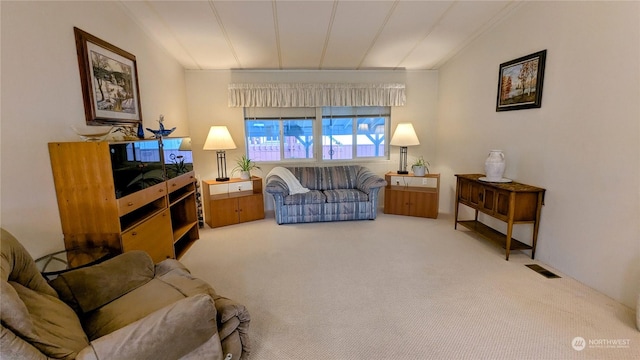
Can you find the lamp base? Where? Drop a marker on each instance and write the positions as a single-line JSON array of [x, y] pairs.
[[403, 172], [222, 179]]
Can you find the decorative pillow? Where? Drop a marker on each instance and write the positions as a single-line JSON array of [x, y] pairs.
[[89, 288], [57, 330], [15, 315], [168, 333]]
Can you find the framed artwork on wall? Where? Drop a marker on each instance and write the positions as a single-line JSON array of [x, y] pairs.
[[520, 82], [109, 80]]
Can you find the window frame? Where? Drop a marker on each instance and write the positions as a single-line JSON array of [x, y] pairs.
[[283, 114]]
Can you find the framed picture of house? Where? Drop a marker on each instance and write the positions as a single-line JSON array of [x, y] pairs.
[[109, 80], [520, 82]]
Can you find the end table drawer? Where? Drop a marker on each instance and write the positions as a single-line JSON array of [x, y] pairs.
[[178, 182], [141, 198]]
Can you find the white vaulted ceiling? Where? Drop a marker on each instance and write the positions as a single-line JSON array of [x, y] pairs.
[[327, 34]]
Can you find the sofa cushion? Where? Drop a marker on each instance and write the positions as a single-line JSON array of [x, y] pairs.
[[309, 176], [311, 197], [57, 330], [339, 177], [88, 288], [168, 333], [345, 195], [15, 315], [17, 265], [129, 308]]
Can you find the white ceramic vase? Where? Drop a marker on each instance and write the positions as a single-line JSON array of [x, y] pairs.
[[245, 175], [494, 165]]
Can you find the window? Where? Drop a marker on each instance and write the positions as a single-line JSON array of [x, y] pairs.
[[346, 133], [354, 132]]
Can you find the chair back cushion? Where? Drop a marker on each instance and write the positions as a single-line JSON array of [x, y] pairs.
[[31, 308], [86, 289], [56, 331], [18, 266]]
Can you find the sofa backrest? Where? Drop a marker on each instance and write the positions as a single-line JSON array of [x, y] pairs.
[[18, 266], [36, 323], [327, 177]]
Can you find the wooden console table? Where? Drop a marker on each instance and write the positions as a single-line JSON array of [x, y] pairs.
[[513, 203]]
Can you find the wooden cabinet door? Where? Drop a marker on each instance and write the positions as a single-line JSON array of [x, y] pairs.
[[250, 208], [224, 212], [488, 199], [153, 236], [422, 204], [502, 204], [395, 203], [475, 193]]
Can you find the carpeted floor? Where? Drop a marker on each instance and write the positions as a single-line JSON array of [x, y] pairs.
[[403, 288]]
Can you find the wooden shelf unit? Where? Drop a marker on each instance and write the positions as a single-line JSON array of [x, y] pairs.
[[231, 206], [402, 198], [513, 203], [160, 219]]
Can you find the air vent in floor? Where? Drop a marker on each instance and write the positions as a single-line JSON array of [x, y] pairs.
[[540, 270]]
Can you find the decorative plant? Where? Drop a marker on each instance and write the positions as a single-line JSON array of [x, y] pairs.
[[178, 163], [420, 161], [245, 164]]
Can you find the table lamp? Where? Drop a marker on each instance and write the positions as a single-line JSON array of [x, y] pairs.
[[220, 140], [404, 136]]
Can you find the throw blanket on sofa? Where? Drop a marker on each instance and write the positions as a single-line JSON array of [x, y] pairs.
[[292, 182]]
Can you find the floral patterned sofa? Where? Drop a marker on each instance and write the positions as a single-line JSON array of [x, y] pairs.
[[334, 193]]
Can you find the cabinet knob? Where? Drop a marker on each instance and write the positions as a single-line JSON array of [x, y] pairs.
[[174, 184], [129, 203], [134, 233]]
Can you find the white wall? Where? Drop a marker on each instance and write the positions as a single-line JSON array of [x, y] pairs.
[[207, 103], [42, 99], [582, 145]]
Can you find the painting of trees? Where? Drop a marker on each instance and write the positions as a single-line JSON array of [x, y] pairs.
[[109, 79], [520, 82], [113, 86]]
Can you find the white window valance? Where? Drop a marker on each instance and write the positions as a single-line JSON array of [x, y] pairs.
[[315, 95]]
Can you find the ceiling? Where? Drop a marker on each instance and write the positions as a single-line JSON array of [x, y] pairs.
[[315, 35]]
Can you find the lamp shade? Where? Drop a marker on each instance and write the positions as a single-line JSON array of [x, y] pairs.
[[219, 138], [404, 135], [185, 144]]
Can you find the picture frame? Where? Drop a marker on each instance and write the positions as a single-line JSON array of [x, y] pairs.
[[109, 80], [520, 82]]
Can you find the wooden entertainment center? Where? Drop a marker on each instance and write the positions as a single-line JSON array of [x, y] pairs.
[[156, 212]]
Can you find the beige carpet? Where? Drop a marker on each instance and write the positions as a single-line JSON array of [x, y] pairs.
[[403, 288]]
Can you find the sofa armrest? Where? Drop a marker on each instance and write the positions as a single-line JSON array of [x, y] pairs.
[[276, 187], [89, 288], [233, 318], [168, 265], [168, 333], [367, 181], [16, 348]]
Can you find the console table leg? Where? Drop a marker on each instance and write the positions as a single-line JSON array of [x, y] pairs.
[[508, 242]]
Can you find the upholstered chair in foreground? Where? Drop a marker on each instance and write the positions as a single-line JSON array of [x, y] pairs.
[[123, 308]]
